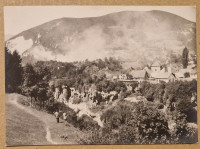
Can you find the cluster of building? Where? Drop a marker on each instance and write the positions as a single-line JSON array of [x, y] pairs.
[[157, 73]]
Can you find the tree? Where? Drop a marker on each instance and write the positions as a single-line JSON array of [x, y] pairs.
[[43, 73], [33, 93], [128, 123], [29, 76], [13, 70], [134, 85], [42, 96], [187, 75], [129, 76], [185, 57]]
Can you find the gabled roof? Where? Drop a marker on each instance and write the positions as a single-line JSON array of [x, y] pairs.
[[138, 73], [129, 70], [155, 64], [161, 75]]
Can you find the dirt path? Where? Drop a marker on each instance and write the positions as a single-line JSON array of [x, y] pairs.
[[33, 112], [53, 130]]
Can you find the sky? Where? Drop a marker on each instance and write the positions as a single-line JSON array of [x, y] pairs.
[[20, 18]]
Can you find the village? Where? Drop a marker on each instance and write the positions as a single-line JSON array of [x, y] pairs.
[[155, 73]]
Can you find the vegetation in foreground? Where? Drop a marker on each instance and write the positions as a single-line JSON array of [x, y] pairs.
[[23, 134], [163, 117]]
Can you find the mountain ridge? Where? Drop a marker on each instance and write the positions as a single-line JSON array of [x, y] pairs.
[[126, 35]]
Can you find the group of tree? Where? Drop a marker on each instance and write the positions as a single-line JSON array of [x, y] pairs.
[[176, 95], [30, 80], [70, 69], [139, 123], [144, 123], [36, 84], [125, 123], [13, 71], [182, 59]]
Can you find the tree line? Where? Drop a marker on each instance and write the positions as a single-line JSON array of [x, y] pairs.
[[146, 122], [33, 80]]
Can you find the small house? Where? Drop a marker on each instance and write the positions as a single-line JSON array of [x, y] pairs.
[[139, 75], [165, 77]]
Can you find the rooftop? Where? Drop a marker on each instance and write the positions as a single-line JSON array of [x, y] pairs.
[[161, 75], [155, 64], [138, 73]]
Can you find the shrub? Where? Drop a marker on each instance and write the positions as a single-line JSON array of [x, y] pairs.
[[50, 109], [86, 123], [186, 107], [101, 136], [183, 133], [117, 115], [128, 135], [160, 106], [152, 125], [187, 75], [131, 123], [23, 101]]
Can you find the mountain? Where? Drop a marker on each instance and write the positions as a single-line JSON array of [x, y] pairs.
[[136, 38]]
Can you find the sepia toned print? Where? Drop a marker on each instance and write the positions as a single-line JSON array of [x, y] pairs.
[[100, 75]]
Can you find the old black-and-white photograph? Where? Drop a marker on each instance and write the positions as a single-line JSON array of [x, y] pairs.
[[100, 75]]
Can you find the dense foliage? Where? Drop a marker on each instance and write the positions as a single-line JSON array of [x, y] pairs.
[[142, 123], [162, 116], [13, 71], [35, 85], [81, 69], [185, 57], [175, 95], [165, 117], [131, 124]]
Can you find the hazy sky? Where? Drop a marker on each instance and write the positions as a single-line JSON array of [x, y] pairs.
[[20, 18]]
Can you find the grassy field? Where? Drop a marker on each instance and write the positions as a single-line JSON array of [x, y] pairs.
[[23, 128], [27, 126]]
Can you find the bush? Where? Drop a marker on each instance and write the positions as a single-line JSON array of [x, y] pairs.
[[128, 135], [23, 101], [187, 75], [160, 106], [136, 123], [50, 109], [186, 107], [117, 115], [86, 123], [142, 123], [152, 125], [101, 136], [182, 132]]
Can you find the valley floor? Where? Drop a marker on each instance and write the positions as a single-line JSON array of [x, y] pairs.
[[27, 126]]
